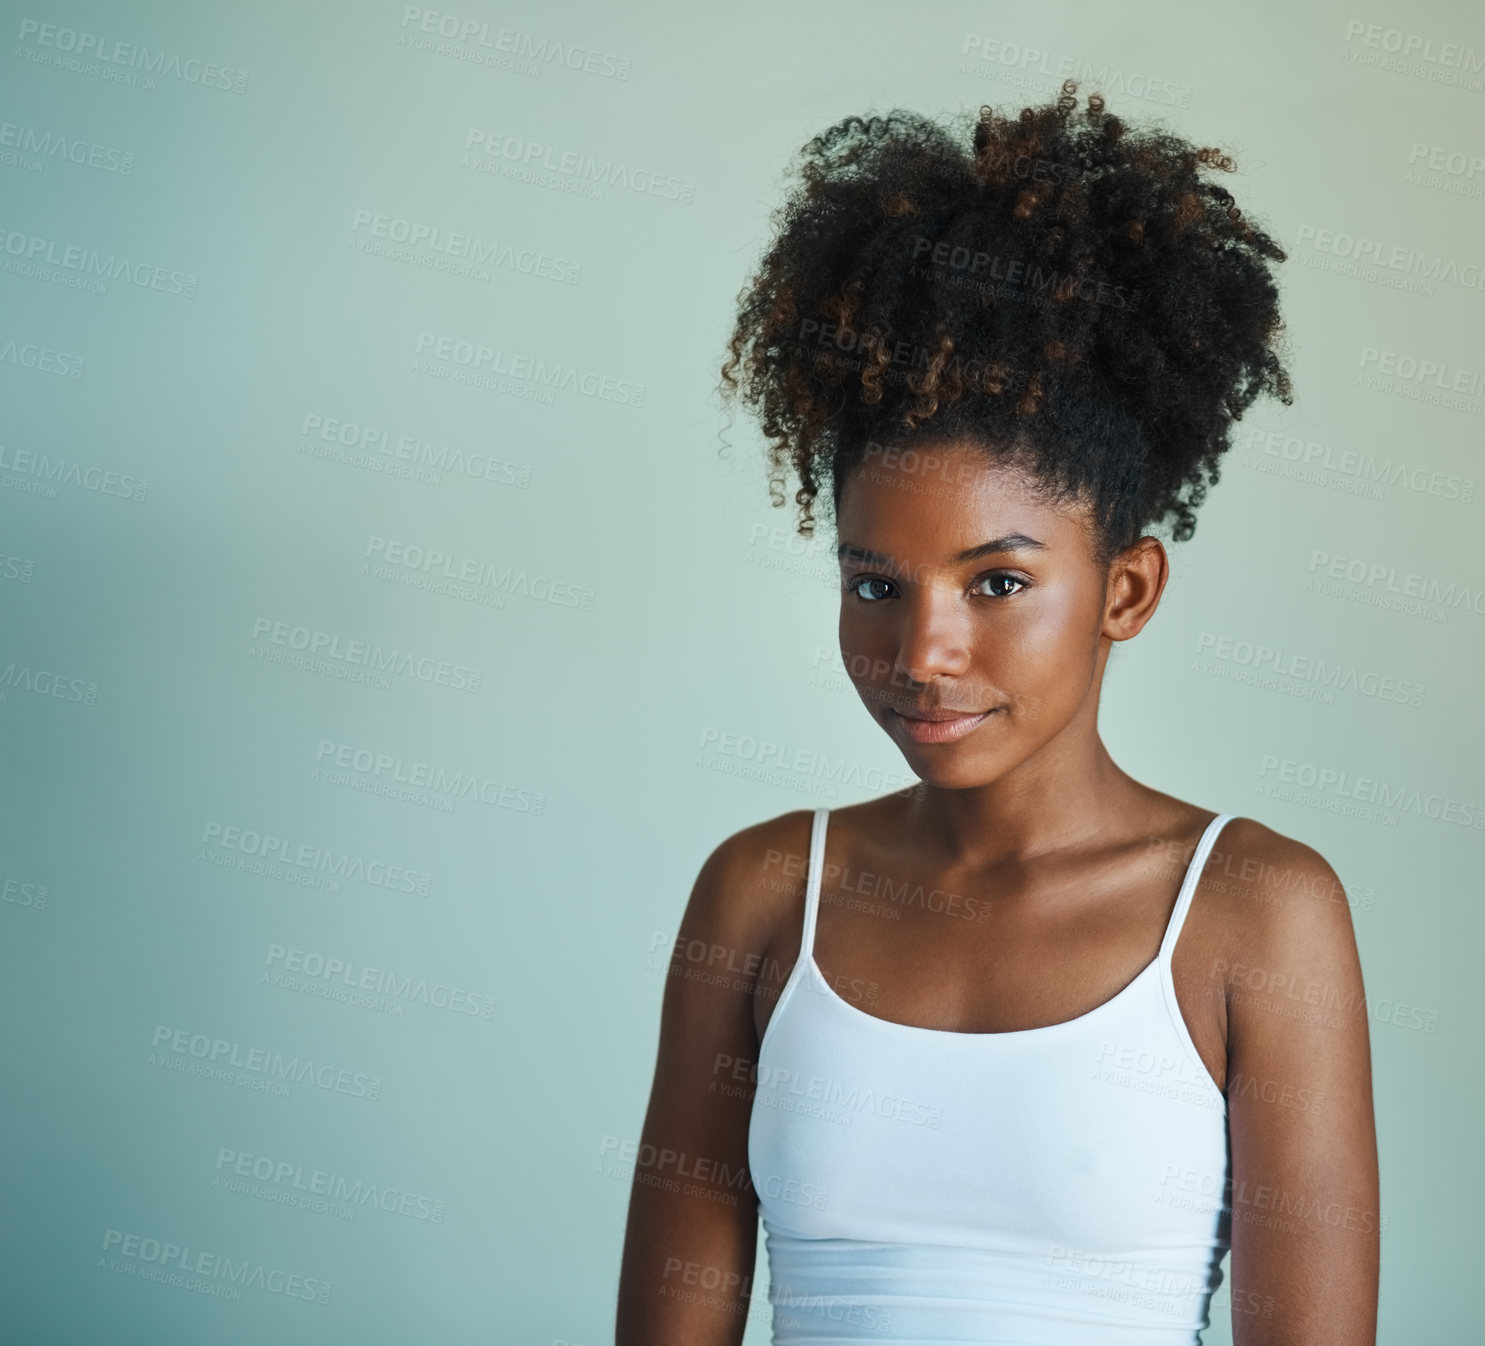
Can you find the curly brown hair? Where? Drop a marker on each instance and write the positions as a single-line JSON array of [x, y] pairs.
[[1073, 297]]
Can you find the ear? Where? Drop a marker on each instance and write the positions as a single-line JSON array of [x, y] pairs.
[[1133, 586]]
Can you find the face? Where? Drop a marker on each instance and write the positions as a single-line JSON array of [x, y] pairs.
[[975, 622]]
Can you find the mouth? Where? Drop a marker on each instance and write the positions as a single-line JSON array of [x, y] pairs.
[[938, 724]]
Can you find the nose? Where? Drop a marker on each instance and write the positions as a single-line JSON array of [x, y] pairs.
[[934, 639]]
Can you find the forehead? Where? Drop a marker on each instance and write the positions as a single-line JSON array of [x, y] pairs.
[[946, 495]]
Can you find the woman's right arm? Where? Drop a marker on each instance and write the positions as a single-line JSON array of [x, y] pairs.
[[686, 1275]]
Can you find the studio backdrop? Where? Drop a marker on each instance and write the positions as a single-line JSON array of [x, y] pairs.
[[392, 618]]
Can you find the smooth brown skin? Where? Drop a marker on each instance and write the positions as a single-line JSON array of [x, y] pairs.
[[1080, 864]]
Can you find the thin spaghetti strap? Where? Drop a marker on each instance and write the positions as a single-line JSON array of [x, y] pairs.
[[1188, 884], [812, 884]]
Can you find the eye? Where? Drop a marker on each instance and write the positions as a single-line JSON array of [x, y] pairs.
[[853, 586], [998, 579], [1002, 577]]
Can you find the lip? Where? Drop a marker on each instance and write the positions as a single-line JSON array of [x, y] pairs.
[[939, 726]]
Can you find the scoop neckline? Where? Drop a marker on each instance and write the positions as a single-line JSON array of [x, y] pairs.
[[1152, 966]]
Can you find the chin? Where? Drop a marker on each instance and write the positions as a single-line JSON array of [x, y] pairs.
[[938, 769]]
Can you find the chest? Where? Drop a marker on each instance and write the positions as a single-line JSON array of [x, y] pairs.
[[925, 955]]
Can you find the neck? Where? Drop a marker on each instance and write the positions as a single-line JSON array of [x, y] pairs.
[[1070, 791]]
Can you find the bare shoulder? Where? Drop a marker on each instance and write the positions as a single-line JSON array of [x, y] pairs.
[[749, 883], [1278, 885], [1286, 921]]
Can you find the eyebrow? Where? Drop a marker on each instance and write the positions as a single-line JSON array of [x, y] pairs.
[[1010, 542]]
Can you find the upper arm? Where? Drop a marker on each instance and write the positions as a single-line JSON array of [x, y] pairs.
[[691, 1237], [1304, 1196]]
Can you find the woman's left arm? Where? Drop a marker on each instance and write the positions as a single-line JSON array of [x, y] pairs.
[[1304, 1199]]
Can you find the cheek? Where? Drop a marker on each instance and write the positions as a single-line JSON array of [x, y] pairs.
[[863, 642], [1046, 645], [865, 650], [1044, 660], [1034, 641], [1062, 627]]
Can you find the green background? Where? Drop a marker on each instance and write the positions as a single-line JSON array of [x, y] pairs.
[[580, 785]]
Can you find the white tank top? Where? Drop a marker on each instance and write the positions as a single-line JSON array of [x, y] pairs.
[[1054, 1186]]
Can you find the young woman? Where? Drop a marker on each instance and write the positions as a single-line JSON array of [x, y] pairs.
[[1019, 1054]]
